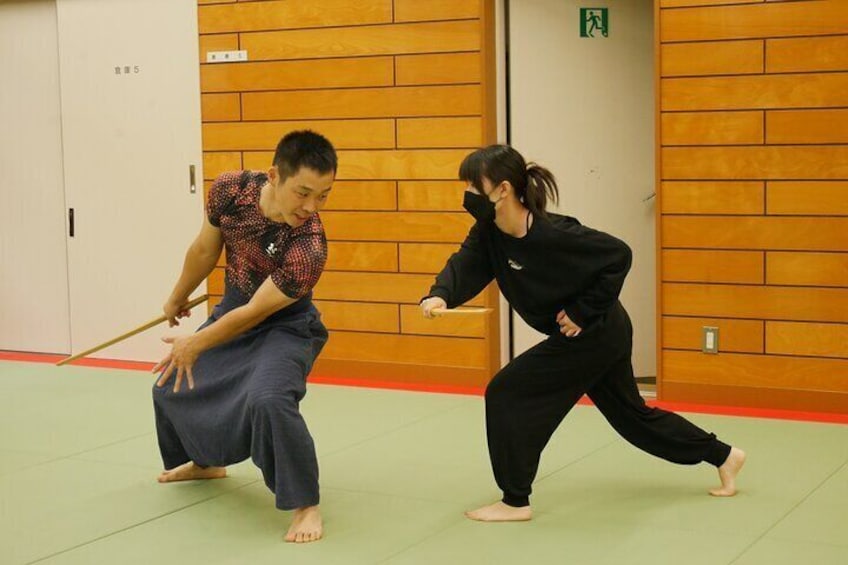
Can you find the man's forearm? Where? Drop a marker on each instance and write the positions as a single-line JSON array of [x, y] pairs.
[[233, 323], [196, 267]]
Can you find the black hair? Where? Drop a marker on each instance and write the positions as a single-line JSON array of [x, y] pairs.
[[304, 148], [534, 185]]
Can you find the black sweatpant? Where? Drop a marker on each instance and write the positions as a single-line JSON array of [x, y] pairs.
[[527, 400]]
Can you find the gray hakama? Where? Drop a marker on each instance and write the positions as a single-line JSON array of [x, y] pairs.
[[246, 402]]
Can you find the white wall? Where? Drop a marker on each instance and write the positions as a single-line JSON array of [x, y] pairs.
[[584, 108]]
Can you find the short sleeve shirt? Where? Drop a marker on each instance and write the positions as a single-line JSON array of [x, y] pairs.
[[258, 247]]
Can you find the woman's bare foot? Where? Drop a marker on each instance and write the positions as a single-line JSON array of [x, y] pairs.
[[306, 525], [500, 512], [728, 471], [190, 472]]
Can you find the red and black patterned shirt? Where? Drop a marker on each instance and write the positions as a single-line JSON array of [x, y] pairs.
[[258, 247]]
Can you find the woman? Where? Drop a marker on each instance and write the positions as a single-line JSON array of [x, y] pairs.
[[563, 279]]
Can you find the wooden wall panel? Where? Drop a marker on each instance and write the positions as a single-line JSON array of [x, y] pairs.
[[761, 371], [750, 232], [439, 132], [746, 92], [807, 269], [363, 195], [359, 316], [808, 304], [807, 339], [772, 162], [740, 336], [712, 58], [220, 107], [806, 54], [216, 163], [712, 197], [362, 256], [412, 349], [425, 257], [346, 134], [689, 265], [755, 20], [283, 14], [378, 287], [712, 128], [404, 90], [810, 198], [450, 68], [292, 75], [397, 226], [397, 102], [430, 195], [435, 37], [415, 10], [807, 126]]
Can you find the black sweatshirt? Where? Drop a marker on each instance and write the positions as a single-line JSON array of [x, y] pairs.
[[560, 264]]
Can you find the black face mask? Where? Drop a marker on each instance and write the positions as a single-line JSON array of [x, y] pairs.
[[479, 206]]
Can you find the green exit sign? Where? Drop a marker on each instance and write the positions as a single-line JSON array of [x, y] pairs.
[[594, 22]]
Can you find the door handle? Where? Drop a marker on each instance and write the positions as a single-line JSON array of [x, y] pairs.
[[192, 181]]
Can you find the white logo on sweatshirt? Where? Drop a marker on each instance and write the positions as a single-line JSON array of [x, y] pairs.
[[514, 264]]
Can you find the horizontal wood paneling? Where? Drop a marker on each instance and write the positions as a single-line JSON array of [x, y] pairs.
[[425, 257], [359, 316], [757, 20], [396, 39], [378, 287], [807, 126], [397, 226], [755, 92], [409, 164], [807, 54], [402, 101], [362, 256], [216, 163], [757, 397], [780, 233], [756, 162], [713, 197], [745, 267], [814, 198], [294, 75], [808, 269], [431, 195], [218, 42], [469, 325], [283, 14], [689, 3], [415, 10], [395, 348], [363, 195], [808, 339], [220, 107], [712, 58], [756, 302], [763, 371], [439, 132], [438, 69], [740, 336], [417, 377], [712, 128], [345, 134]]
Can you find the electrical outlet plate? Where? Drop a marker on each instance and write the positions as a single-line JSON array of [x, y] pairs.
[[226, 56], [709, 339]]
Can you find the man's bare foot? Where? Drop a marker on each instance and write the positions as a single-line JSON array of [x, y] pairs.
[[728, 471], [500, 512], [306, 525], [190, 472]]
